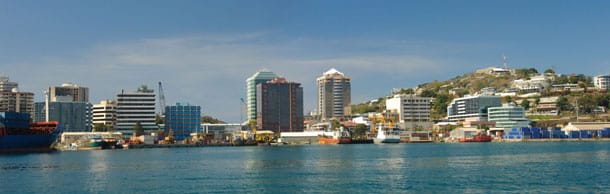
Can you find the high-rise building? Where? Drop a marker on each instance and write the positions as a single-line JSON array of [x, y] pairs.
[[472, 107], [11, 100], [68, 92], [134, 107], [6, 85], [72, 116], [17, 102], [334, 95], [508, 116], [259, 77], [104, 114], [280, 106], [602, 82], [183, 119], [411, 109]]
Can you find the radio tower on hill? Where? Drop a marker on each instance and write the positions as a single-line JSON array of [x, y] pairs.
[[505, 61]]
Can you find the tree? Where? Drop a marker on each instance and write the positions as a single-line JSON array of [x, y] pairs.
[[525, 104], [549, 71], [406, 91], [508, 99], [99, 127], [428, 93], [212, 120], [335, 124], [563, 104], [360, 131], [137, 129]]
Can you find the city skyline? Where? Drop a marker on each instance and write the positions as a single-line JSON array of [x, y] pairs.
[[204, 51]]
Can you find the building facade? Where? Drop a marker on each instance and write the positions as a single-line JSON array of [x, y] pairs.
[[136, 107], [183, 119], [259, 77], [104, 114], [17, 102], [508, 116], [68, 92], [72, 116], [334, 95], [280, 106], [602, 82], [471, 107], [6, 85], [412, 110]]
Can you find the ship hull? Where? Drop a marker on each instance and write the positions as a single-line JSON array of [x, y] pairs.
[[331, 140], [478, 138], [386, 140], [26, 143]]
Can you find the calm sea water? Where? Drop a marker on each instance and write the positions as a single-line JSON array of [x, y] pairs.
[[399, 168]]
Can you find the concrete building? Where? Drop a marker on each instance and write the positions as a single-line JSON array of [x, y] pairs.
[[68, 92], [533, 84], [508, 116], [72, 116], [183, 119], [334, 95], [133, 107], [259, 77], [15, 101], [602, 82], [105, 114], [279, 106], [547, 106], [471, 107], [6, 85], [412, 110]]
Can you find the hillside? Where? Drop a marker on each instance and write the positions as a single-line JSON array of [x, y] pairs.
[[488, 81]]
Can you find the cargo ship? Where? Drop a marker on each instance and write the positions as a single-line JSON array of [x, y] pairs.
[[476, 138], [18, 135], [337, 137]]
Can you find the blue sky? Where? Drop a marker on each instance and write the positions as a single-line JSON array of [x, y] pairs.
[[204, 50]]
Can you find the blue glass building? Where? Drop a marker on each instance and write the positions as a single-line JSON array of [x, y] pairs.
[[183, 119]]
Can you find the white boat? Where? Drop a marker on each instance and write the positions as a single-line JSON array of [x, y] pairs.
[[388, 135]]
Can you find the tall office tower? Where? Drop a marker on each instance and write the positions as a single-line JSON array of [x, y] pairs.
[[104, 114], [334, 95], [68, 92], [134, 107], [183, 119], [279, 106], [259, 77]]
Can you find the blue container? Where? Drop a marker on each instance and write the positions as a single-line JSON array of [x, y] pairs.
[[574, 134]]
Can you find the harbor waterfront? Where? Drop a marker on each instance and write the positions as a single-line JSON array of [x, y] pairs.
[[580, 167]]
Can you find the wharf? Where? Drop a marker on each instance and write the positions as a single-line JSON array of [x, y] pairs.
[[557, 140], [140, 146]]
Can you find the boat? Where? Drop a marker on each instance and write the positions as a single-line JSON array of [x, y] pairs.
[[17, 135], [476, 138], [95, 141], [387, 135], [336, 137]]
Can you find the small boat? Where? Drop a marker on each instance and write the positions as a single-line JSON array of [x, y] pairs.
[[388, 135], [337, 137], [95, 141], [476, 138]]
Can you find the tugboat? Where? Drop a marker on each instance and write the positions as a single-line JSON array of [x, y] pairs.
[[337, 137]]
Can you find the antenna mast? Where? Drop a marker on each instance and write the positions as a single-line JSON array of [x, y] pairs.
[[505, 61]]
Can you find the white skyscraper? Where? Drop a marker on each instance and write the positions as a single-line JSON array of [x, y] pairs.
[[133, 107], [334, 95]]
